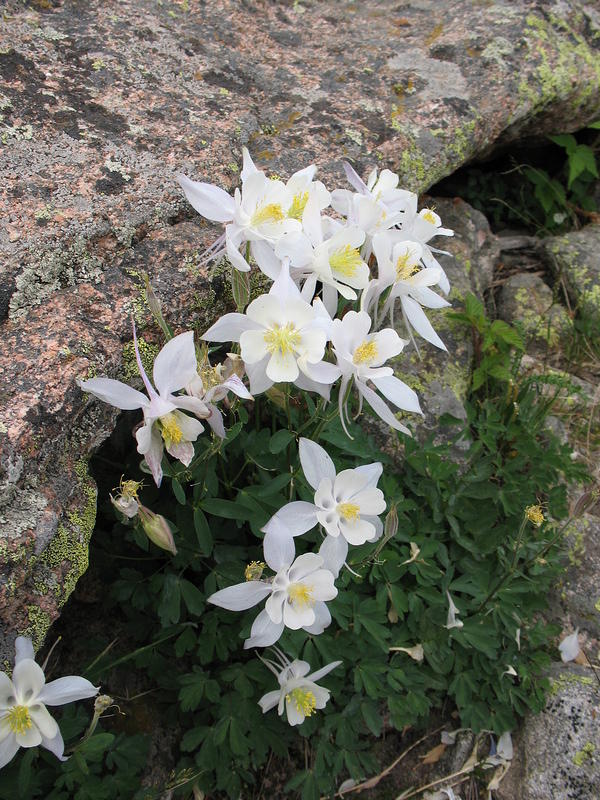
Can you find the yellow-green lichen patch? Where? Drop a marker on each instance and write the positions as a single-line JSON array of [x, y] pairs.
[[148, 353], [568, 679], [39, 622], [586, 753]]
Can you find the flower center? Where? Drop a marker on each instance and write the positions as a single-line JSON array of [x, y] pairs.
[[535, 514], [429, 215], [254, 570], [19, 720], [349, 511], [365, 352], [303, 699], [270, 212], [301, 595], [405, 268], [170, 430], [345, 261], [299, 202], [129, 489], [285, 339]]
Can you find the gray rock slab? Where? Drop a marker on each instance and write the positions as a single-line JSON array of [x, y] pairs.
[[557, 753]]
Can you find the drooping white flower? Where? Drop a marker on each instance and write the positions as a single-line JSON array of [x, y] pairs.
[[501, 752], [213, 384], [164, 424], [360, 356], [399, 270], [453, 621], [346, 504], [127, 501], [298, 693], [569, 647], [24, 718], [282, 338], [295, 597], [382, 187]]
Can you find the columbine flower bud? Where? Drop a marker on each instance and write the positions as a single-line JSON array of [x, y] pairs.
[[535, 515], [391, 524], [254, 570], [584, 501], [157, 529]]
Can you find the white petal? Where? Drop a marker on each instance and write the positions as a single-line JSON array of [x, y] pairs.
[[398, 393], [241, 596], [296, 617], [371, 502], [175, 366], [269, 700], [210, 201], [278, 546], [267, 261], [23, 649], [229, 328], [55, 745], [248, 167], [334, 552], [417, 318], [282, 368], [29, 738], [67, 690], [231, 248], [379, 407], [322, 619], [316, 463], [569, 647], [8, 748], [45, 722], [321, 372], [373, 472], [115, 393], [259, 381], [296, 518], [504, 748], [7, 692], [28, 680], [303, 382], [295, 246], [347, 484], [322, 585], [320, 673], [357, 532], [304, 565], [389, 344], [264, 632], [216, 421], [354, 179], [294, 715]]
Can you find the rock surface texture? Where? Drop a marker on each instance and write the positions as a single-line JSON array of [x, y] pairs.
[[557, 752], [102, 103], [574, 258]]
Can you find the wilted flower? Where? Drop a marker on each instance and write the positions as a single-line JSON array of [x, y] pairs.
[[164, 424], [127, 500], [24, 718], [415, 652], [569, 647], [453, 621], [299, 693], [501, 752], [535, 515]]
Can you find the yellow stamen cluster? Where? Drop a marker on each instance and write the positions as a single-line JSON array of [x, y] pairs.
[[345, 261], [404, 269], [129, 489], [170, 430], [254, 570], [270, 212], [429, 216], [365, 352], [18, 719], [299, 202], [301, 595], [349, 511], [535, 515], [285, 339], [303, 699]]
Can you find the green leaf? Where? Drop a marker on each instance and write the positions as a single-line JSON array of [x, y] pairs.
[[280, 440], [203, 534], [240, 288], [226, 509], [595, 125], [178, 491], [566, 140], [192, 597], [170, 601], [25, 771], [582, 160]]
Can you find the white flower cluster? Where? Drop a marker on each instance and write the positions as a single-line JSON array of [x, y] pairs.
[[372, 250]]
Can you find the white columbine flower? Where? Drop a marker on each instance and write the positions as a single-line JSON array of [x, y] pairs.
[[298, 691], [569, 647], [399, 269], [164, 424], [295, 597], [334, 261], [421, 227], [452, 621], [347, 505], [382, 187], [213, 384], [24, 718], [282, 338], [360, 356]]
